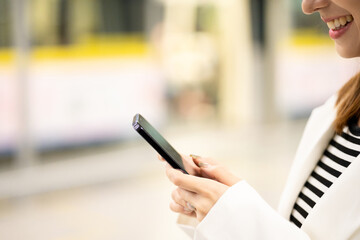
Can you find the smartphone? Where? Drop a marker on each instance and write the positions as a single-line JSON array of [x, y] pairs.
[[158, 142]]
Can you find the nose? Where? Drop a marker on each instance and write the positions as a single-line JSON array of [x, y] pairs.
[[311, 6]]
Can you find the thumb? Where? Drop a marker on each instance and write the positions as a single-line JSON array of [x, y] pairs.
[[207, 168], [215, 171], [200, 162]]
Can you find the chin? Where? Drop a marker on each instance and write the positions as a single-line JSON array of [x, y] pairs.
[[347, 53]]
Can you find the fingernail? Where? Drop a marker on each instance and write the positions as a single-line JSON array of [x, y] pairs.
[[204, 165], [194, 156]]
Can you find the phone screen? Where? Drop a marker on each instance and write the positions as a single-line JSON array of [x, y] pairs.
[[158, 142]]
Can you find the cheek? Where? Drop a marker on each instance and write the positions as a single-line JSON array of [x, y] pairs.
[[352, 6], [348, 46], [347, 4], [356, 43]]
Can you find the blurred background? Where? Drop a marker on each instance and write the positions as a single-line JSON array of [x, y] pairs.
[[234, 80]]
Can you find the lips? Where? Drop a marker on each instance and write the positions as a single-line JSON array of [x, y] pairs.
[[338, 26]]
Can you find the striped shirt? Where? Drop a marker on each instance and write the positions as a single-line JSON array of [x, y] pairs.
[[340, 153]]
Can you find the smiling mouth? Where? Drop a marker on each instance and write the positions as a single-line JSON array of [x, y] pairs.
[[340, 23]]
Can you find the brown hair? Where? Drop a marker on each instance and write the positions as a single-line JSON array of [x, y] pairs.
[[348, 103]]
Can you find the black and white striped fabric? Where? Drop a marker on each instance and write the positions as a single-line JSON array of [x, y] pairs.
[[341, 152]]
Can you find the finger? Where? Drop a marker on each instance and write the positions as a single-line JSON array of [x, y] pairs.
[[190, 198], [188, 182], [175, 207], [177, 198], [180, 209], [202, 162], [210, 168], [219, 174], [184, 198], [190, 166]]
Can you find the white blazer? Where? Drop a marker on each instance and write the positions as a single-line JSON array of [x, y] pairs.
[[242, 214]]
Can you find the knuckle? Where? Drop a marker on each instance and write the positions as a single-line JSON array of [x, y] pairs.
[[181, 192], [210, 195], [207, 193], [177, 197], [176, 180], [170, 175], [213, 196]]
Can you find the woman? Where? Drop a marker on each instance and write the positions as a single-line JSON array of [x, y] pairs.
[[321, 199]]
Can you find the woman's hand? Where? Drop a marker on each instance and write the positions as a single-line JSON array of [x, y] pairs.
[[195, 196], [198, 192], [207, 168]]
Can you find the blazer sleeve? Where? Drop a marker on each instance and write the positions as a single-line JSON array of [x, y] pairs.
[[241, 213]]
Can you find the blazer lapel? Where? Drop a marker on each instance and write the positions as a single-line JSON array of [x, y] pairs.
[[338, 209], [317, 135]]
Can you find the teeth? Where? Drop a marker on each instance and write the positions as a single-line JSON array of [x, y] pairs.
[[331, 25], [340, 22], [349, 18]]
